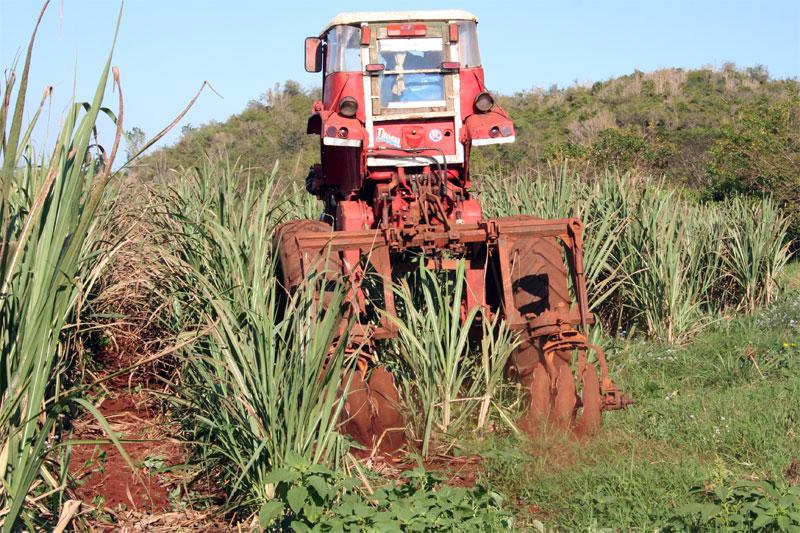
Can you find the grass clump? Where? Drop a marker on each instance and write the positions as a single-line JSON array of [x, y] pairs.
[[719, 414], [263, 383], [315, 498], [445, 376], [742, 506]]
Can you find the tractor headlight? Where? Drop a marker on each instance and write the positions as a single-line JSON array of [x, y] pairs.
[[348, 106], [484, 102]]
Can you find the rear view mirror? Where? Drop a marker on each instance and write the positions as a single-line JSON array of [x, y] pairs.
[[313, 54]]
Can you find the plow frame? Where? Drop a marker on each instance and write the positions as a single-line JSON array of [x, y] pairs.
[[498, 235], [559, 330]]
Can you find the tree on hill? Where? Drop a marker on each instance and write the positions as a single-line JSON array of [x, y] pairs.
[[759, 153]]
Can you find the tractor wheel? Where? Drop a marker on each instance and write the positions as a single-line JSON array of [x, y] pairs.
[[289, 256], [355, 417], [538, 272]]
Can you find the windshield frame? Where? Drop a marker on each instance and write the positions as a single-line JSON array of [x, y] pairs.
[[444, 105]]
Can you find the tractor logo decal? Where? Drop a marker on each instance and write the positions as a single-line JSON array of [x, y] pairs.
[[435, 135], [383, 136]]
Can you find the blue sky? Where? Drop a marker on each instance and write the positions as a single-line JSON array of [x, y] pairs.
[[167, 48]]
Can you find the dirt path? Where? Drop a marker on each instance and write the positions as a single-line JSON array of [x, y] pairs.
[[152, 496]]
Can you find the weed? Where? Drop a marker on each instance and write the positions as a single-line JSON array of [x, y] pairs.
[[742, 506], [311, 496]]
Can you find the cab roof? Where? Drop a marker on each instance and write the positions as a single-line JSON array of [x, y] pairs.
[[438, 15]]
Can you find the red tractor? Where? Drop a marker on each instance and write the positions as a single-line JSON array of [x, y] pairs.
[[403, 103]]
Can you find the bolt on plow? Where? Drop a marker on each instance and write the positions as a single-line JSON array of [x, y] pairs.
[[403, 103]]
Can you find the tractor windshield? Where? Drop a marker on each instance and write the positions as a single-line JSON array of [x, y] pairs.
[[468, 45], [413, 76], [344, 49]]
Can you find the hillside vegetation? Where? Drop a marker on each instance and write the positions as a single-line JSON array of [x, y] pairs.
[[718, 132]]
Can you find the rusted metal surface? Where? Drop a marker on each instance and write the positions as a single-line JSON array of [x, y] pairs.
[[530, 283], [371, 414]]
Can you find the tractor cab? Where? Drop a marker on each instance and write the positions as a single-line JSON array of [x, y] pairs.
[[403, 95]]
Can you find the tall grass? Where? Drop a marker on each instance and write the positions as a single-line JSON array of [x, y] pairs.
[[564, 194], [756, 250], [671, 261], [444, 378], [49, 236], [265, 386], [656, 261]]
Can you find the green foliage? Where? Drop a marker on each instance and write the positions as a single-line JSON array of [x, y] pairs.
[[760, 154], [703, 411], [743, 506], [656, 260], [626, 148], [563, 193], [664, 122], [136, 140], [756, 249], [217, 243], [439, 367], [311, 497], [670, 261]]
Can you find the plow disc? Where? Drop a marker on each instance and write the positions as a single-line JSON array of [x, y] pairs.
[[592, 401], [371, 413], [567, 401], [560, 406], [561, 399]]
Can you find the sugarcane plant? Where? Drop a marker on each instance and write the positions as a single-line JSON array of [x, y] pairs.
[[49, 231]]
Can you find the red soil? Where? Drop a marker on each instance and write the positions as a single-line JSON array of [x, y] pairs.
[[104, 478]]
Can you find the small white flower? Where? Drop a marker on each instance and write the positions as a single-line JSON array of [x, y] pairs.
[[722, 417]]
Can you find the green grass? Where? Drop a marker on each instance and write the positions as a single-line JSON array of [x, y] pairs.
[[704, 415], [704, 410], [656, 260]]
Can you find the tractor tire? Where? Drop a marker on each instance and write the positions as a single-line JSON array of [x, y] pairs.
[[538, 275], [289, 257]]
